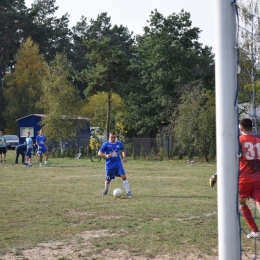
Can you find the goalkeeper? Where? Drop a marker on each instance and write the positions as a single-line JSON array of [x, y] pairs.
[[249, 174]]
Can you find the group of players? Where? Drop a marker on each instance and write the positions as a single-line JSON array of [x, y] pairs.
[[27, 149], [110, 151], [249, 167]]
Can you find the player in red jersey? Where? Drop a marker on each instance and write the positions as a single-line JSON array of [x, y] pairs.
[[249, 173]]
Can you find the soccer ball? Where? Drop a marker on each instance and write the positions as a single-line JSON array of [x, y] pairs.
[[117, 193]]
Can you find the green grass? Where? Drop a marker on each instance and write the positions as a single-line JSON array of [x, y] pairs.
[[173, 209]]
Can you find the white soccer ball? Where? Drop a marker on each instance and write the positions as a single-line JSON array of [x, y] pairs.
[[117, 193]]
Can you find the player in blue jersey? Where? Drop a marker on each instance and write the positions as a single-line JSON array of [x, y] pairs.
[[110, 150], [41, 143], [28, 154]]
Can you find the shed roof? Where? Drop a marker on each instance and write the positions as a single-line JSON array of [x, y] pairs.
[[43, 115], [38, 115]]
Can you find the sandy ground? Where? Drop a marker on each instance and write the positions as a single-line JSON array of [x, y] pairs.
[[79, 247]]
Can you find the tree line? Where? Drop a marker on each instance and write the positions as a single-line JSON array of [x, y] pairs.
[[159, 82]]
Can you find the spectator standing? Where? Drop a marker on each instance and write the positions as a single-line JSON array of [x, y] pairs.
[[3, 147]]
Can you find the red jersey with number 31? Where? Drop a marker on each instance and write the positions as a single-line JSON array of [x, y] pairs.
[[249, 162]]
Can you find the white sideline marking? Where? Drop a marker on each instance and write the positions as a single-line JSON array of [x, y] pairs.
[[195, 217]]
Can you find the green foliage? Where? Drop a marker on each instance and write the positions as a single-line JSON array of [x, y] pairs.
[[161, 154], [52, 33], [142, 153], [13, 24], [96, 110], [248, 54], [24, 85], [180, 157], [109, 50], [168, 58], [61, 102], [194, 125]]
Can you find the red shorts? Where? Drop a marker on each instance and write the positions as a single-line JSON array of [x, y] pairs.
[[250, 190]]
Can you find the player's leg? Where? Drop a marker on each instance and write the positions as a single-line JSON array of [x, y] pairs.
[[40, 158], [110, 175], [17, 156], [105, 191], [26, 157], [29, 157], [4, 152], [46, 157], [23, 155], [256, 195], [245, 192], [121, 173]]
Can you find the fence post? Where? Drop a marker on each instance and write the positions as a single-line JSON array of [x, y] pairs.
[[168, 146], [133, 148]]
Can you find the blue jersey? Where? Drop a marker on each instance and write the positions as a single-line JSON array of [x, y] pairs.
[[29, 142], [41, 139], [114, 149]]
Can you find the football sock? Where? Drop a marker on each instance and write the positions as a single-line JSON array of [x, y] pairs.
[[107, 186], [126, 185], [247, 214]]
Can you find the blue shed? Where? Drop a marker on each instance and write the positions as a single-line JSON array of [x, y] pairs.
[[31, 123]]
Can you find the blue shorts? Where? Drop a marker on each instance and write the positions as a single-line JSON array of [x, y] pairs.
[[29, 152], [116, 172], [42, 150], [3, 150]]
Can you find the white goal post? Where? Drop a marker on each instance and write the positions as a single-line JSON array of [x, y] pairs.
[[227, 127]]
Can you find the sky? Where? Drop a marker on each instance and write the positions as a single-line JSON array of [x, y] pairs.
[[133, 14]]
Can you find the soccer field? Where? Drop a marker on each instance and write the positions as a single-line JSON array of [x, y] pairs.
[[58, 212]]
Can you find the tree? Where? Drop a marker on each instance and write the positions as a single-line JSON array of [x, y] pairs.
[[79, 50], [61, 102], [13, 20], [96, 110], [194, 124], [168, 59], [24, 85], [109, 59], [51, 33], [248, 43]]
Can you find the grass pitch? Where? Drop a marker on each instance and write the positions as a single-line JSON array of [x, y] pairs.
[[173, 208]]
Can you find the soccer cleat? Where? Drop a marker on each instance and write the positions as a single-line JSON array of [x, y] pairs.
[[129, 194], [29, 165], [46, 163], [253, 235], [104, 192], [213, 180], [40, 164]]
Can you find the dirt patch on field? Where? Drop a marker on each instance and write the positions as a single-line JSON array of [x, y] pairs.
[[80, 248]]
